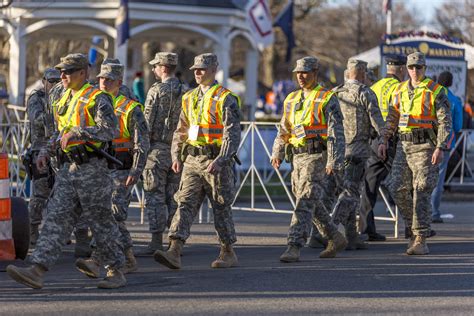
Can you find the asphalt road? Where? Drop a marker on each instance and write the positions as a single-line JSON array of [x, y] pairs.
[[381, 280]]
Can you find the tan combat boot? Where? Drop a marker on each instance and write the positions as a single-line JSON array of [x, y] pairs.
[[411, 242], [130, 262], [419, 247], [83, 248], [31, 277], [335, 244], [317, 241], [353, 240], [172, 257], [89, 267], [226, 259], [113, 280], [291, 254], [34, 234], [155, 244]]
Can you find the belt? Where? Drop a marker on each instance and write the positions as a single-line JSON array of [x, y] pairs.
[[68, 157], [311, 147], [416, 136], [211, 151]]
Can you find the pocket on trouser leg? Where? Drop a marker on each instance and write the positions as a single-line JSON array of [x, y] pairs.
[[150, 181], [426, 178], [223, 187]]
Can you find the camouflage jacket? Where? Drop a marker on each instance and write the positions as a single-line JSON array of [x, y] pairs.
[[40, 119]]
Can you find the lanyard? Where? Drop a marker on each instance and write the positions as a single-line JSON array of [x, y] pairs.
[[201, 102], [304, 101]]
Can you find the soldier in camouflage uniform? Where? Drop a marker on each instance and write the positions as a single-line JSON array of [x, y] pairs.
[[420, 114], [123, 90], [83, 186], [311, 135], [361, 116], [131, 148], [40, 129], [160, 183], [206, 141]]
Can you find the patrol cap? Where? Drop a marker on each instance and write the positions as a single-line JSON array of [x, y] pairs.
[[111, 61], [353, 63], [165, 59], [396, 60], [204, 61], [306, 64], [73, 61], [111, 71], [52, 73], [416, 58]]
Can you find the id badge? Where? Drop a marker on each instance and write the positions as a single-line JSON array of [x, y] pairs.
[[299, 131], [193, 132], [404, 118]]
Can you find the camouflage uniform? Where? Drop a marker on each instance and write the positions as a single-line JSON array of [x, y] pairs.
[[413, 177], [82, 190], [123, 90], [308, 177], [160, 183], [361, 114]]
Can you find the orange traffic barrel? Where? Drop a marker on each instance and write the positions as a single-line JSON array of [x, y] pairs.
[[7, 246]]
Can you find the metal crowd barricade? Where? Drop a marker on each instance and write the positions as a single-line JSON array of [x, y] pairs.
[[466, 176]]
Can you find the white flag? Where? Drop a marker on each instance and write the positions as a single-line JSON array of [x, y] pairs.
[[259, 19]]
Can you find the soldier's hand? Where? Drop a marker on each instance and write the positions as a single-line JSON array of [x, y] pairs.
[[214, 167], [176, 166], [437, 157], [276, 163], [131, 180], [382, 151], [65, 139], [42, 163], [329, 171]]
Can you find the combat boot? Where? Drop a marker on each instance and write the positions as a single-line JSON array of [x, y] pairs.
[[353, 240], [226, 259], [31, 277], [291, 254], [317, 241], [411, 242], [34, 234], [130, 262], [335, 244], [419, 247], [155, 244], [113, 280], [89, 267], [172, 257], [82, 248]]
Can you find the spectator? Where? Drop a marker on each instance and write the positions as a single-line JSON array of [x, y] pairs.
[[139, 87]]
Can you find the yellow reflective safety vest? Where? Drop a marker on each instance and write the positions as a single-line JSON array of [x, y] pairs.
[[122, 108], [383, 89], [207, 113], [420, 112], [311, 115], [77, 112]]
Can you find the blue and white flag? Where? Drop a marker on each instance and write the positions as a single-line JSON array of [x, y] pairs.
[[122, 23], [259, 19]]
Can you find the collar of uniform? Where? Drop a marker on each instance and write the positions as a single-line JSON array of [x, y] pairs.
[[392, 76], [355, 81]]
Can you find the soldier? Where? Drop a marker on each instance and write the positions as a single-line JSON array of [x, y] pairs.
[[40, 129], [421, 117], [208, 136], [124, 90], [311, 135], [361, 114], [160, 183], [83, 186], [130, 147], [377, 170]]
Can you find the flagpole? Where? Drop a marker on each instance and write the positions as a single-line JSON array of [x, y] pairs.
[[389, 24]]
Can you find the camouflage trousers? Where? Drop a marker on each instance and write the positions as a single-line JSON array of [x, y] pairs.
[[411, 182], [160, 184], [349, 199], [196, 184], [308, 181], [121, 197], [84, 190], [38, 200]]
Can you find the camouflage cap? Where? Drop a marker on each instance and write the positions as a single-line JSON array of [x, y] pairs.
[[416, 58], [204, 61], [111, 61], [52, 73], [305, 64], [353, 63], [164, 58], [396, 60], [111, 71], [73, 61]]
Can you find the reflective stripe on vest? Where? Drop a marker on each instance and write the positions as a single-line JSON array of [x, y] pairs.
[[314, 120], [384, 89], [77, 112], [421, 109], [122, 108], [207, 113]]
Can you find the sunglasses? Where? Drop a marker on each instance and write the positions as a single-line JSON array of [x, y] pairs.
[[69, 71], [417, 67], [53, 80]]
